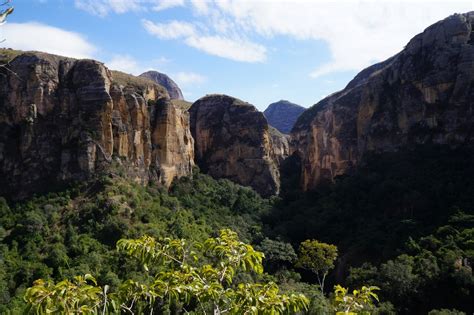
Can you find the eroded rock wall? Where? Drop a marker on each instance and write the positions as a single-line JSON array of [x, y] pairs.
[[232, 140], [423, 95], [63, 119]]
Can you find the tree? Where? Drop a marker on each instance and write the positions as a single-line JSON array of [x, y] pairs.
[[6, 12], [181, 275], [277, 253], [79, 296], [359, 302], [398, 278], [317, 257]]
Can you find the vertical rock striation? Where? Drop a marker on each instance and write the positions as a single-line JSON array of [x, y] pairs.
[[173, 145], [423, 95], [63, 119], [232, 140]]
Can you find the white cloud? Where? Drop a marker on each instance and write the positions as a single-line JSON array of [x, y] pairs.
[[171, 30], [168, 4], [124, 63], [131, 65], [104, 7], [358, 33], [188, 78], [234, 49], [122, 6], [41, 37], [200, 6]]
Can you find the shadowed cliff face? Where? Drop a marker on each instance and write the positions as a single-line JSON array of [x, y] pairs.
[[282, 115], [63, 119], [232, 140], [423, 95]]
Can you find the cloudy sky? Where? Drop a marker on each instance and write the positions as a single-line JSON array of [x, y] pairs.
[[260, 51]]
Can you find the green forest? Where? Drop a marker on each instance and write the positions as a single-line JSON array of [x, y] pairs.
[[394, 237]]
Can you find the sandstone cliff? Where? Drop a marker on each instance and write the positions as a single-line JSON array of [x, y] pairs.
[[423, 95], [165, 81], [232, 140], [172, 142], [63, 119], [280, 145], [282, 115]]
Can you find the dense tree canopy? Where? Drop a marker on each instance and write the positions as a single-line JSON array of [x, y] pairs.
[[184, 275], [403, 223]]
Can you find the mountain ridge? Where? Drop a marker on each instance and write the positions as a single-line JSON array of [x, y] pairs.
[[283, 114], [164, 80], [421, 95]]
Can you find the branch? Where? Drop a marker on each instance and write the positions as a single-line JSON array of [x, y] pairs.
[[223, 274], [11, 71]]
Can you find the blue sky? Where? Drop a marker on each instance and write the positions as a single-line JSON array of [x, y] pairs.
[[259, 51]]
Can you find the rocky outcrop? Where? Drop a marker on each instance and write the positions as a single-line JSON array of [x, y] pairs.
[[232, 140], [282, 115], [172, 142], [280, 145], [63, 119], [423, 95], [165, 81]]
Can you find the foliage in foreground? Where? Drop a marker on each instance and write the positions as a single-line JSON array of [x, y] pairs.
[[81, 295], [5, 13], [181, 274], [359, 302], [74, 232]]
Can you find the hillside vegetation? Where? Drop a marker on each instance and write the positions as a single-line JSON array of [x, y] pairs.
[[74, 232], [403, 222]]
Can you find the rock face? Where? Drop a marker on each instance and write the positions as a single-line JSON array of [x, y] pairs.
[[282, 115], [165, 81], [172, 141], [423, 95], [232, 140], [63, 119], [280, 145]]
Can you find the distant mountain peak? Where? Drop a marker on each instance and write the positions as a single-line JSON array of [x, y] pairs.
[[164, 80], [283, 114]]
